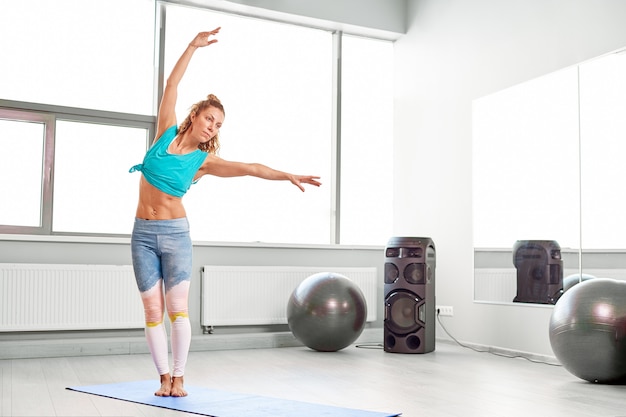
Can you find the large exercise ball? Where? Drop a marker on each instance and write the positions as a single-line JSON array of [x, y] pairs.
[[327, 312], [588, 330]]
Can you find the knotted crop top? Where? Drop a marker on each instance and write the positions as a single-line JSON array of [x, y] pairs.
[[171, 173]]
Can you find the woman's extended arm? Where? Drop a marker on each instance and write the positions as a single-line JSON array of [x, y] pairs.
[[219, 167], [167, 114]]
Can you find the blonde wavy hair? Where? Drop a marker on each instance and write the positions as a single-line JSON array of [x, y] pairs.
[[213, 145]]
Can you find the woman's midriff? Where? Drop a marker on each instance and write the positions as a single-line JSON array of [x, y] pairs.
[[157, 205]]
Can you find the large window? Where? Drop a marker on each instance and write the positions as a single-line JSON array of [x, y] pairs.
[[62, 173], [278, 112], [87, 54], [83, 122], [366, 196]]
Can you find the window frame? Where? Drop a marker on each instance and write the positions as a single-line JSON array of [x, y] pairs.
[[49, 114], [20, 114]]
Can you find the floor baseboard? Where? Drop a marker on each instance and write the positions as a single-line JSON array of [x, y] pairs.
[[128, 345]]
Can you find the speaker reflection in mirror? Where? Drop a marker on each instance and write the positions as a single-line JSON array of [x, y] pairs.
[[539, 271]]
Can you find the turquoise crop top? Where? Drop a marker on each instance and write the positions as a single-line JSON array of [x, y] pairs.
[[171, 173]]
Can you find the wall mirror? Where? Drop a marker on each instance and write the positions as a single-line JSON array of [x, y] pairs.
[[549, 165]]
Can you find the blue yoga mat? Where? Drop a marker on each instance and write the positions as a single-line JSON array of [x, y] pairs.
[[218, 403]]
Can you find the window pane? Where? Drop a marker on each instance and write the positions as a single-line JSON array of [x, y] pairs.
[[278, 113], [93, 190], [366, 141], [603, 129], [22, 144], [88, 54]]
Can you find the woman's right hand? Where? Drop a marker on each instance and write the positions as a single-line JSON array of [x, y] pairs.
[[204, 38]]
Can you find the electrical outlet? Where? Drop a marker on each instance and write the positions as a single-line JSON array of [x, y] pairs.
[[445, 310]]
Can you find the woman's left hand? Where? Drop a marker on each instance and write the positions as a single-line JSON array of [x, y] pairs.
[[298, 180], [204, 38]]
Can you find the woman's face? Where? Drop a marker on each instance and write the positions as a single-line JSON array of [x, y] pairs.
[[207, 123]]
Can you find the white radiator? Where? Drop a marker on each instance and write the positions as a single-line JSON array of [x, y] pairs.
[[258, 295], [36, 297], [495, 284]]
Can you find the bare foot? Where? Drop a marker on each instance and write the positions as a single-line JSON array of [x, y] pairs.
[[177, 387], [166, 386]]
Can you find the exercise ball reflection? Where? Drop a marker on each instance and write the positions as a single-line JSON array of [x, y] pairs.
[[573, 279], [327, 312], [588, 330]]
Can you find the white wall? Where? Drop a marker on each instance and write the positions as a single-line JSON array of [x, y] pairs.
[[454, 52]]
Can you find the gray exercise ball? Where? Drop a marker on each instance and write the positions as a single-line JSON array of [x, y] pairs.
[[588, 330], [327, 312], [571, 280]]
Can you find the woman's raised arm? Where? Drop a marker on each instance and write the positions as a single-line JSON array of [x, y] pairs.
[[167, 114]]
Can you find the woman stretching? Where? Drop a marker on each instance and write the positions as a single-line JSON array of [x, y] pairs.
[[160, 243]]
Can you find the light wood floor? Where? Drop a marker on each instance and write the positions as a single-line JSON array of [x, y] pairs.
[[451, 381]]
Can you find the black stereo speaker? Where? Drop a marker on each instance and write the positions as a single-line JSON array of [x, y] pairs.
[[409, 290], [539, 271]]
